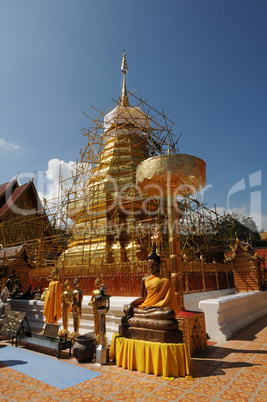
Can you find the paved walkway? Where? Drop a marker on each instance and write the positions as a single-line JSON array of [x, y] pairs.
[[235, 370]]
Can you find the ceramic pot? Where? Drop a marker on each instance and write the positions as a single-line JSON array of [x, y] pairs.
[[85, 347]]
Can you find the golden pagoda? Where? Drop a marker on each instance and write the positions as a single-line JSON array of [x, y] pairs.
[[104, 216]]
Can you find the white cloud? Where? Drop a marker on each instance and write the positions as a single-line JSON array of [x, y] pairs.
[[57, 179], [54, 185], [7, 145]]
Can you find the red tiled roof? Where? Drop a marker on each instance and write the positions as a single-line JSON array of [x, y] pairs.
[[12, 199], [250, 251], [262, 253], [4, 187], [9, 255], [14, 196], [10, 252]]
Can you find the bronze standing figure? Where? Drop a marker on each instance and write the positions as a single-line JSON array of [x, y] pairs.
[[66, 298], [97, 315], [76, 307]]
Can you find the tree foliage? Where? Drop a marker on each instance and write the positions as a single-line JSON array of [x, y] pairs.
[[244, 227]]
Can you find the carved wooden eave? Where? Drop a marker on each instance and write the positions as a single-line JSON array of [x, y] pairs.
[[10, 255], [229, 258], [246, 248]]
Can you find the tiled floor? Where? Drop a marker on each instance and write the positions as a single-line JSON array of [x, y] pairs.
[[235, 370]]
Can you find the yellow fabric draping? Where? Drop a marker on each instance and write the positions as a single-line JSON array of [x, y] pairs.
[[52, 305], [166, 359], [160, 293]]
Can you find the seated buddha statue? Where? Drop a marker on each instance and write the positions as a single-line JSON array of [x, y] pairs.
[[157, 307]]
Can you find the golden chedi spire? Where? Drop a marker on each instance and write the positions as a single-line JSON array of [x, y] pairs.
[[124, 70]]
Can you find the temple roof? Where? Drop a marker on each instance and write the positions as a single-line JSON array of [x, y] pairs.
[[245, 248], [9, 255], [4, 187], [11, 192], [262, 253]]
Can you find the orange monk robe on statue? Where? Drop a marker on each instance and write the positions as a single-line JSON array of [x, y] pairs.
[[52, 305], [160, 293]]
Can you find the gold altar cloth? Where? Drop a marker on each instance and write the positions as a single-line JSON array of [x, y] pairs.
[[166, 359]]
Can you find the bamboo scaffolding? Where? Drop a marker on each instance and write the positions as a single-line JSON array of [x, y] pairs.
[[78, 218]]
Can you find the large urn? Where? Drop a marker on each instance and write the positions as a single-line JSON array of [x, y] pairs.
[[85, 347]]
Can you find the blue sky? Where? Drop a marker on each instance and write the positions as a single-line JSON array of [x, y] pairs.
[[203, 61]]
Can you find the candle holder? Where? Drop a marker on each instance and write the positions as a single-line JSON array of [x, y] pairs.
[[102, 305]]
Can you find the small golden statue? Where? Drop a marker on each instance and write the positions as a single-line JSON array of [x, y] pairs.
[[76, 307], [97, 315], [66, 303], [52, 305]]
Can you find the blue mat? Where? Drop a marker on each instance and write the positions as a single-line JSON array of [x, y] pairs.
[[44, 368]]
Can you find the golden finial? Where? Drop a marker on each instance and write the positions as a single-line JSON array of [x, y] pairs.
[[124, 67], [124, 70]]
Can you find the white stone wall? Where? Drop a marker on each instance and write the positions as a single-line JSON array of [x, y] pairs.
[[227, 314], [34, 310]]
